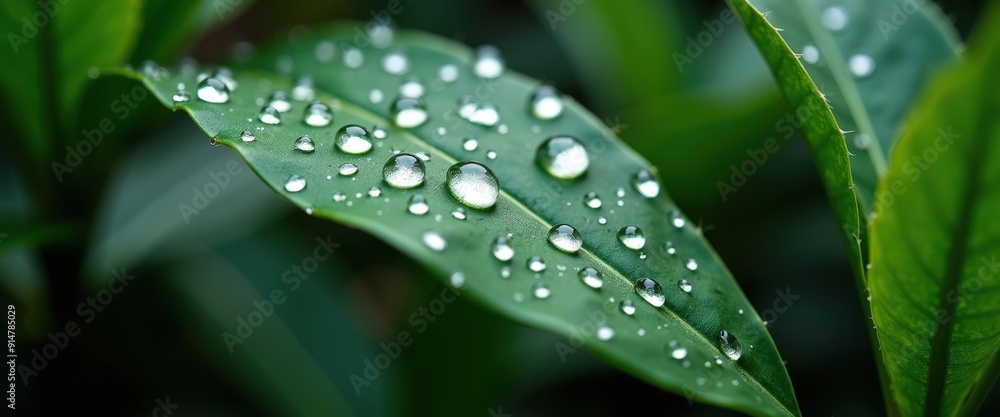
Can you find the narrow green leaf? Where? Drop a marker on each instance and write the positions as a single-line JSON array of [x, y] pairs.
[[674, 346], [935, 242], [871, 59]]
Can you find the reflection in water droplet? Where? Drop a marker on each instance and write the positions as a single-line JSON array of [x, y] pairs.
[[269, 115], [212, 90], [536, 264], [545, 103], [861, 65], [318, 115], [605, 333], [627, 307], [684, 285], [434, 241], [810, 54], [677, 219], [563, 157], [691, 265], [403, 171], [632, 237], [592, 277], [347, 169], [646, 184], [457, 280], [247, 136], [541, 291], [565, 238], [353, 139], [295, 183], [502, 249], [279, 101], [470, 144], [395, 63], [650, 291], [729, 345], [448, 73], [488, 62], [473, 184], [305, 144], [592, 200], [408, 112], [418, 205]]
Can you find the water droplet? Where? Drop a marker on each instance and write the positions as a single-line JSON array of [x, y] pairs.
[[375, 96], [448, 73], [374, 192], [353, 58], [563, 157], [295, 184], [811, 54], [646, 184], [347, 169], [279, 101], [318, 115], [861, 65], [473, 184], [602, 220], [488, 62], [491, 155], [181, 96], [862, 141], [684, 285], [592, 277], [458, 213], [565, 238], [403, 170], [536, 264], [729, 345], [669, 247], [650, 291], [835, 18], [541, 291], [546, 103], [325, 51], [470, 144], [502, 249], [632, 237], [303, 89], [627, 307], [395, 63], [677, 352], [434, 241], [408, 112], [247, 136], [353, 139], [412, 87], [457, 280], [592, 200], [677, 219], [212, 90], [505, 272], [605, 333], [691, 265], [269, 115], [641, 332], [305, 144], [418, 205], [339, 196]]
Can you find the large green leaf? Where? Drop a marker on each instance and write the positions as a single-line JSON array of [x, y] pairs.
[[871, 59], [530, 203], [935, 242]]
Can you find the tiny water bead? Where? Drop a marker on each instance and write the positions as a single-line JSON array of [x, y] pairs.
[[473, 184], [676, 351], [491, 154], [295, 183], [305, 144], [502, 249], [835, 18], [591, 277], [646, 183], [339, 196], [226, 76], [404, 170], [212, 90], [592, 200], [353, 58], [677, 219], [375, 96], [684, 285], [651, 291], [627, 307], [470, 144], [318, 115], [563, 157], [448, 73], [353, 139], [434, 241], [247, 136], [811, 54], [418, 205], [395, 63], [279, 100], [269, 115], [347, 169], [536, 264], [407, 112], [669, 247], [545, 103], [729, 345], [632, 237], [565, 238], [486, 114], [303, 89], [181, 96], [457, 280], [379, 132], [605, 333], [458, 213], [861, 65], [541, 291], [374, 192], [411, 87], [691, 265], [488, 62]]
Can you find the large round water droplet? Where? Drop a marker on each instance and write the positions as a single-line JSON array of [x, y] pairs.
[[650, 291], [473, 184], [627, 307], [279, 100], [353, 139], [305, 144], [418, 205], [295, 183], [403, 170], [605, 333], [269, 115], [592, 277], [592, 200], [541, 291], [434, 241], [545, 103], [562, 157], [861, 65], [632, 237], [318, 115], [536, 264], [502, 249], [488, 62], [347, 169], [408, 112], [646, 184], [565, 238], [213, 90], [729, 345]]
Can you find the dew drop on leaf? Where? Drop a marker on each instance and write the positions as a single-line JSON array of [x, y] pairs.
[[810, 54], [448, 73], [545, 103], [303, 89], [269, 115], [295, 183], [403, 171], [646, 184], [627, 307], [418, 205], [457, 280], [684, 285], [488, 62], [458, 213], [375, 96], [181, 96], [353, 58], [541, 291], [411, 87], [353, 139], [729, 345], [473, 184], [861, 65], [632, 237], [347, 169], [374, 192], [434, 241], [565, 238], [318, 115], [605, 333], [211, 90], [650, 291], [279, 101], [677, 219], [502, 249], [395, 63], [691, 265], [536, 264], [247, 136], [835, 18], [592, 200], [408, 112], [562, 157], [470, 144], [305, 144], [592, 277]]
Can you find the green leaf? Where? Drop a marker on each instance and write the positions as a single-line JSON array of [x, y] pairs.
[[905, 43], [530, 203], [934, 242]]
